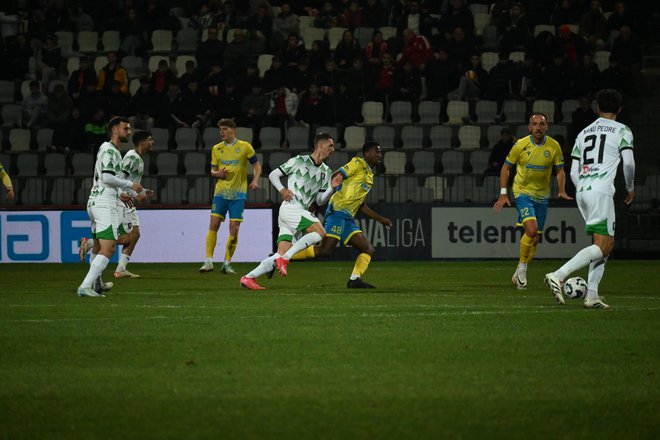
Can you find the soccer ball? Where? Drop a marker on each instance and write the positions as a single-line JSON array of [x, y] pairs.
[[575, 288]]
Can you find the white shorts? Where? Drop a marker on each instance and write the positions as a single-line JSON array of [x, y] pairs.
[[597, 209], [105, 221], [293, 218], [128, 218]]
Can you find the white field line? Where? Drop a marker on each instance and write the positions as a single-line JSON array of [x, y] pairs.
[[536, 310]]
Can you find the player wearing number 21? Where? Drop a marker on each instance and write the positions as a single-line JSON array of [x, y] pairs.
[[597, 152], [534, 156]]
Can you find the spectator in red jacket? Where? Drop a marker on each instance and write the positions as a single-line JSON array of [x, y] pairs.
[[416, 49]]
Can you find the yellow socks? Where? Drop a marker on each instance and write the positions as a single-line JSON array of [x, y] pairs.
[[526, 244], [305, 254], [532, 251], [211, 239], [232, 242], [361, 264]]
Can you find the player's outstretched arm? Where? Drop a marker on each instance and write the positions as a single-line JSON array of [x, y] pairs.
[[503, 199], [366, 210]]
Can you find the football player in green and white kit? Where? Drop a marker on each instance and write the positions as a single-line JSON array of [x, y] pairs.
[[129, 222], [102, 202], [309, 182], [596, 155]]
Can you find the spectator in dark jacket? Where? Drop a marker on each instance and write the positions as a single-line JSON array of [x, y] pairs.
[[145, 106], [500, 152], [582, 117], [347, 49], [374, 14], [80, 78], [458, 15], [162, 77], [514, 29], [209, 52]]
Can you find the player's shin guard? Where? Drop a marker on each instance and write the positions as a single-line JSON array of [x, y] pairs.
[[596, 271], [361, 264], [526, 243], [211, 240], [232, 242], [264, 267], [306, 241], [95, 269], [305, 254], [581, 259]]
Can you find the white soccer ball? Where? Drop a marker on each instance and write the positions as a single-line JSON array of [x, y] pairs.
[[575, 288]]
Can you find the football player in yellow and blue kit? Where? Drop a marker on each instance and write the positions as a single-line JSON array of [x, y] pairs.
[[6, 181], [229, 161], [357, 179], [534, 156]]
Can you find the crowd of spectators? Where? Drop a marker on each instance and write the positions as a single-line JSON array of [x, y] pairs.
[[434, 55]]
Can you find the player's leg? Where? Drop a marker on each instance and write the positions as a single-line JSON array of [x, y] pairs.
[[314, 233], [218, 212], [127, 250], [360, 242], [284, 238], [106, 222], [527, 218], [94, 247], [236, 208], [333, 226]]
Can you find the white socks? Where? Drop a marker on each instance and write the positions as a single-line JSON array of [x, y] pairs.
[[581, 259], [264, 267], [306, 241], [95, 269], [123, 262], [596, 271]]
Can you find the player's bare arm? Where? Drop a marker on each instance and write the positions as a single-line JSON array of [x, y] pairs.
[[561, 184], [256, 170], [366, 210], [503, 198]]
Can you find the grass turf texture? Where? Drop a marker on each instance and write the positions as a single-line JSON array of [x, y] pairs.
[[438, 350]]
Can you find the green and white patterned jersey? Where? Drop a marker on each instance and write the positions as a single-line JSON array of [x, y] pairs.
[[108, 159], [306, 179], [598, 148], [133, 166]]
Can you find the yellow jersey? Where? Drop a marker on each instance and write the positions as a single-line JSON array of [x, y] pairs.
[[534, 164], [358, 181], [234, 158]]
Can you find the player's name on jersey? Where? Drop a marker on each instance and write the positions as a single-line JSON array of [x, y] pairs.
[[601, 128]]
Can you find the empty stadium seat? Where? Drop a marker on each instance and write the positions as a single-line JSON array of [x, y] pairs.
[[88, 41], [372, 112], [354, 137], [270, 138], [186, 138], [453, 162], [401, 112], [298, 138], [385, 136], [423, 162], [440, 137], [395, 162], [195, 163], [161, 40], [429, 112], [19, 139], [456, 110], [110, 41], [412, 137], [167, 164], [27, 164], [469, 137]]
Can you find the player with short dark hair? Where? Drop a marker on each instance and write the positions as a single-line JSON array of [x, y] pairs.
[[597, 152], [356, 178], [534, 156]]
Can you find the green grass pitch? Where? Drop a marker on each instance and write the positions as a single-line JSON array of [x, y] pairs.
[[438, 350]]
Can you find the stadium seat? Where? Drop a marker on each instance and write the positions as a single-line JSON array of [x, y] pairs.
[[602, 59], [462, 189], [388, 32], [72, 64], [423, 162], [99, 63], [55, 82], [401, 112], [385, 136], [306, 21], [488, 60], [263, 63], [395, 162], [515, 111], [545, 106], [133, 86], [161, 41], [262, 193], [405, 189], [243, 133], [12, 115], [429, 112], [568, 106], [277, 158], [82, 191], [412, 137], [270, 138], [493, 134], [522, 130], [88, 41], [363, 35], [453, 162], [479, 161], [65, 42], [82, 164], [195, 163], [372, 112], [27, 164], [110, 41], [161, 138], [311, 34], [486, 111], [456, 110], [180, 64], [481, 20], [335, 35], [354, 137], [175, 191], [62, 191], [469, 137], [33, 193], [558, 130], [210, 137], [517, 56], [478, 8], [543, 28], [167, 164], [298, 138], [133, 65], [380, 191], [19, 139], [338, 159], [199, 191], [332, 131], [490, 37], [154, 60], [186, 138], [25, 88], [6, 91], [440, 137], [437, 184], [186, 40], [44, 138]]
